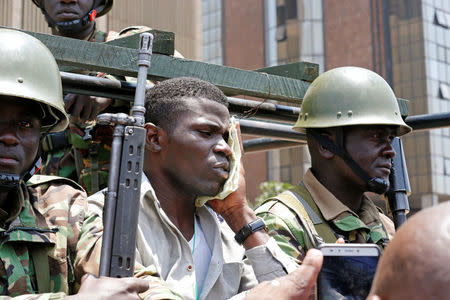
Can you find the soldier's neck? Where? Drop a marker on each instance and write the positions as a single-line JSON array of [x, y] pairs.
[[349, 194], [85, 34]]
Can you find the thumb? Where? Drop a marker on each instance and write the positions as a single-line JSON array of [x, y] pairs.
[[306, 275], [86, 276]]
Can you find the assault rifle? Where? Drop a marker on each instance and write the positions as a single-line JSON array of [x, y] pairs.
[[124, 183], [399, 188]]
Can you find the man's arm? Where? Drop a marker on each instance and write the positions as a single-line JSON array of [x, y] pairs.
[[285, 228]]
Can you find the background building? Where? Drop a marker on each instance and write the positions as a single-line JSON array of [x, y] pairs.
[[405, 41]]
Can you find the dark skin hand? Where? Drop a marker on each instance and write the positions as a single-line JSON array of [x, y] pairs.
[[235, 210], [297, 285], [84, 108], [93, 287]]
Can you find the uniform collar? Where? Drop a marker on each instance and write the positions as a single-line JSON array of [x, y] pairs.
[[366, 219], [328, 204]]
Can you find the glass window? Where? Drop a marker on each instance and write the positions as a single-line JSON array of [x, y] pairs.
[[281, 15], [441, 19], [317, 33], [291, 9], [444, 91]]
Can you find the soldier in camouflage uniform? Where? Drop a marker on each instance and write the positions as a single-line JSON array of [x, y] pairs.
[[48, 242], [350, 116], [82, 152]]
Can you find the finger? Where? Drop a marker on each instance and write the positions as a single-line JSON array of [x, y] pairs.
[[306, 275], [87, 276], [137, 285], [87, 108], [77, 107], [69, 99], [340, 241], [213, 204], [101, 104]]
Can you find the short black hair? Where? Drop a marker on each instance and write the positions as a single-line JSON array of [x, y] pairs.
[[166, 100]]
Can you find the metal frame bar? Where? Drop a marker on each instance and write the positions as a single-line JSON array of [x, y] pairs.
[[253, 113]]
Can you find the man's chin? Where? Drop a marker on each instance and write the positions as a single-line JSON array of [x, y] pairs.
[[66, 17]]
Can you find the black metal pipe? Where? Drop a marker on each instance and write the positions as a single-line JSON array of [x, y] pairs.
[[275, 130], [265, 144], [96, 86], [428, 121], [263, 110]]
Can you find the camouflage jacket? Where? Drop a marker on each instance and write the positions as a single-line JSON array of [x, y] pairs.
[[367, 225], [52, 216]]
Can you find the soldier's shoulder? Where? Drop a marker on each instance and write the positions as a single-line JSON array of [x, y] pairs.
[[38, 180], [275, 207]]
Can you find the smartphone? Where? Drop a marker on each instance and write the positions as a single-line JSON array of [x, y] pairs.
[[347, 271]]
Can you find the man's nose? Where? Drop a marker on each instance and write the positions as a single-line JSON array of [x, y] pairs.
[[8, 135], [388, 151], [223, 147]]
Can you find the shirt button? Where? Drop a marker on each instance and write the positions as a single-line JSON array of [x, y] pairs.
[[190, 268]]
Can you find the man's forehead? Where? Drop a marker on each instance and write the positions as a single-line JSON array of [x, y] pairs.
[[391, 128], [23, 106], [206, 105]]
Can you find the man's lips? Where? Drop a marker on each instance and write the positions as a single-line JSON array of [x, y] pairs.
[[385, 167], [8, 161], [223, 165], [67, 14], [222, 169]]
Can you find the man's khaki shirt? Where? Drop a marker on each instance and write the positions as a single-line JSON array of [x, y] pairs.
[[161, 245], [366, 225]]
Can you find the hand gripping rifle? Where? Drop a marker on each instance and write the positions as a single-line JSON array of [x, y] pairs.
[[124, 183], [399, 188]]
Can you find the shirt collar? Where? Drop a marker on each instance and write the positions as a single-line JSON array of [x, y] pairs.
[[331, 208], [147, 191], [328, 204]]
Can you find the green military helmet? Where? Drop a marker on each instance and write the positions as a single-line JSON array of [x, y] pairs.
[[29, 71], [350, 96]]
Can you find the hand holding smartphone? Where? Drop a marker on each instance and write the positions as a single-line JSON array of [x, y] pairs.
[[347, 270]]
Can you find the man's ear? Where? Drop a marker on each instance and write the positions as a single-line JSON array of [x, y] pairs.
[[153, 137], [323, 151]]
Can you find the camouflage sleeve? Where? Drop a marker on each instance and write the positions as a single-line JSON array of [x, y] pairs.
[[284, 227], [88, 247]]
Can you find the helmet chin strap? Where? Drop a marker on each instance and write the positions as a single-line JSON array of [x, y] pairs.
[[70, 27], [374, 184], [10, 182]]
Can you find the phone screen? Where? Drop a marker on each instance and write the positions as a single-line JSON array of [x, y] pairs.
[[346, 275]]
